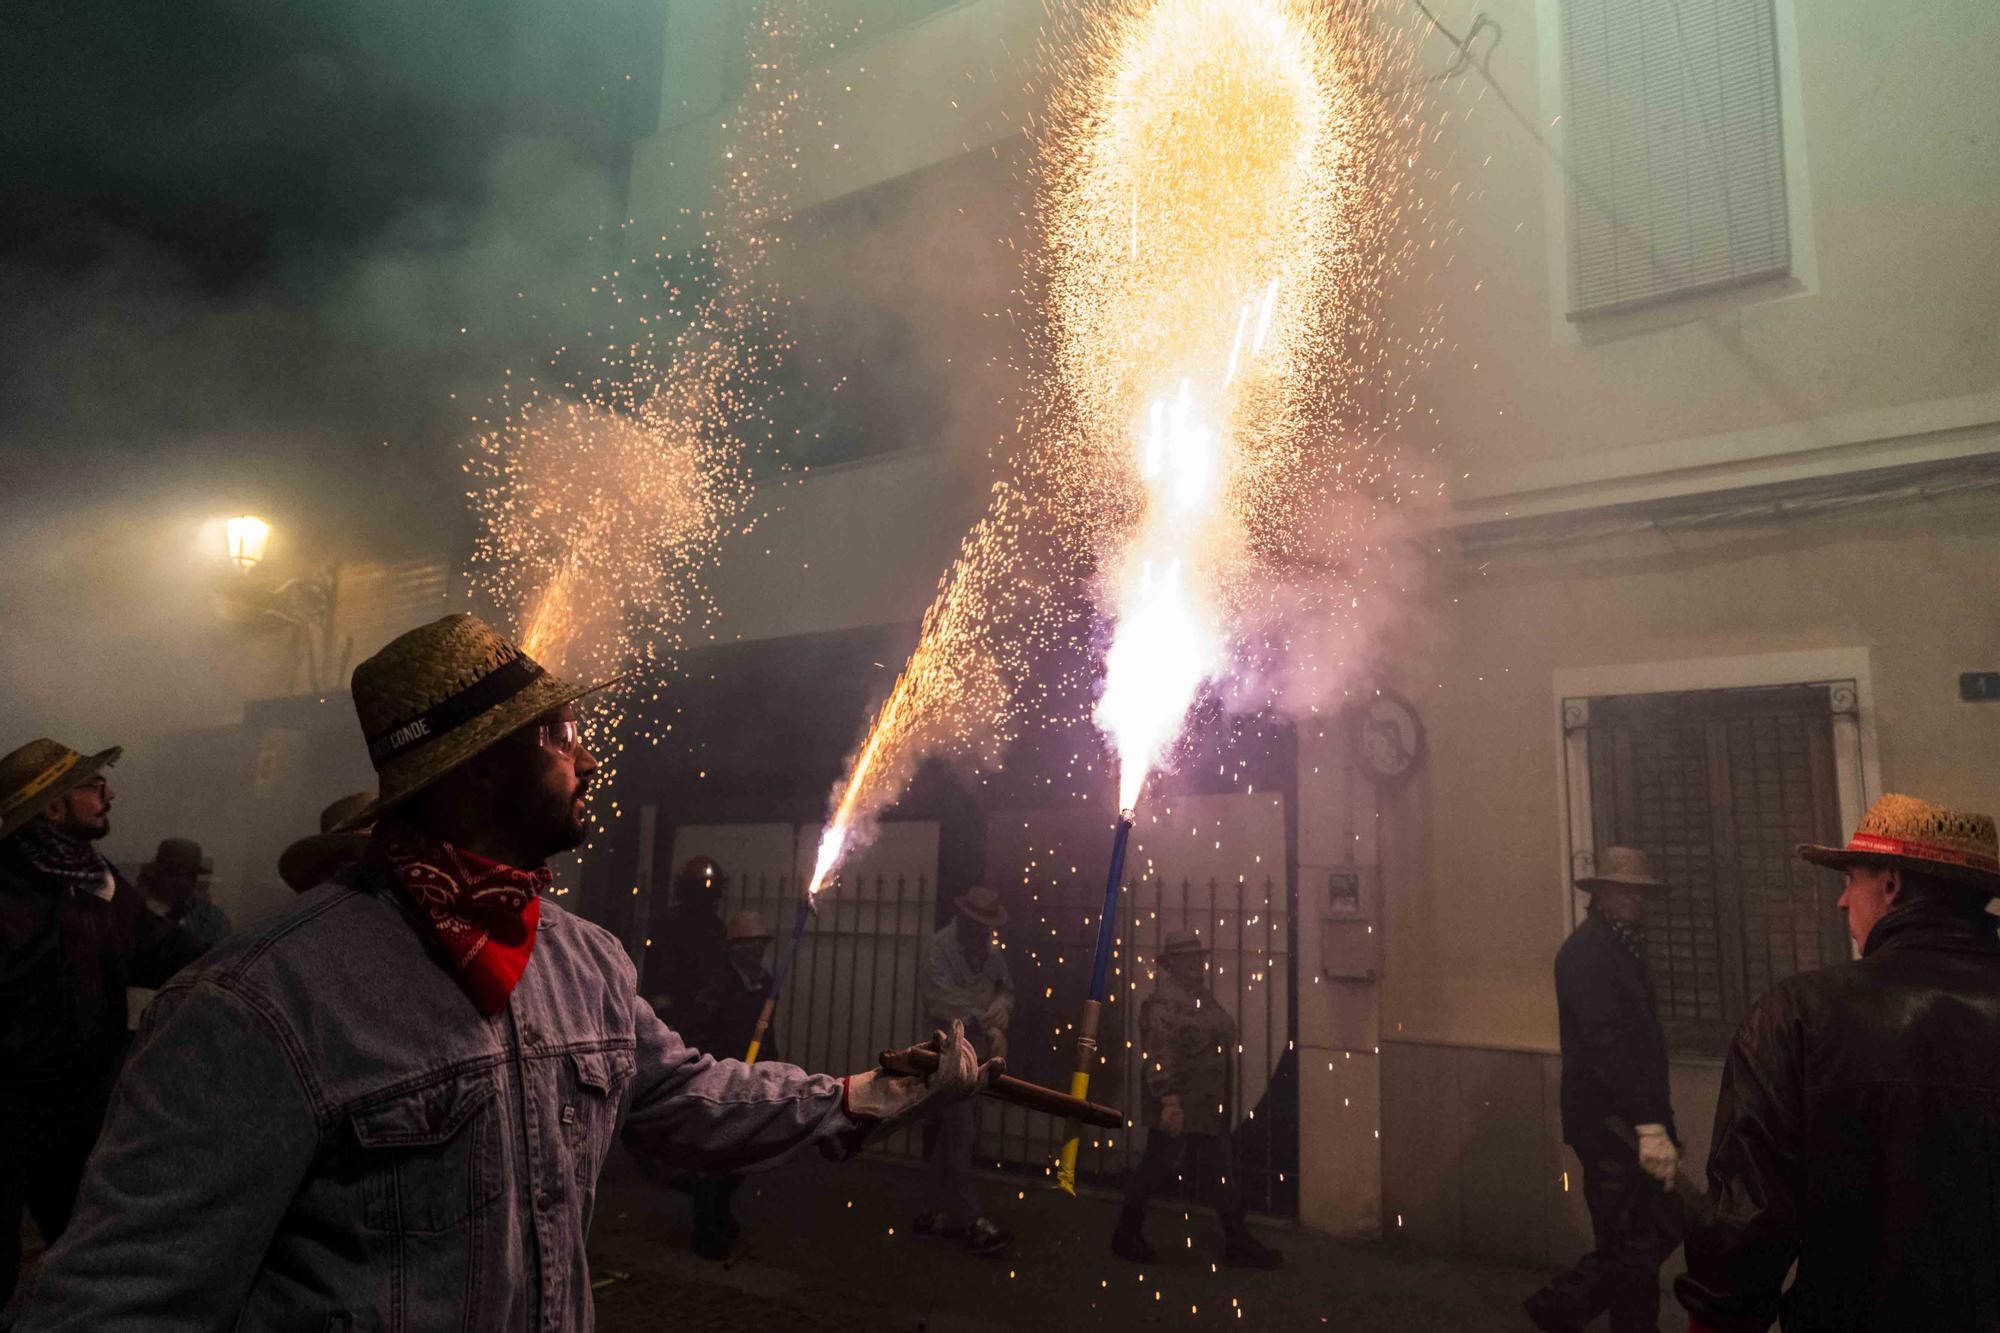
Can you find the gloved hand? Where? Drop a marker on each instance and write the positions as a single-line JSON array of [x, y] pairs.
[[996, 1042], [1172, 1118], [1657, 1155], [897, 1099], [997, 1013]]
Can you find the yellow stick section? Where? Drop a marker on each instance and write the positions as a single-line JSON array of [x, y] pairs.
[[1079, 1084], [763, 1026]]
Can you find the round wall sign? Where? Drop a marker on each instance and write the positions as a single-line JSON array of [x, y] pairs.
[[1388, 737]]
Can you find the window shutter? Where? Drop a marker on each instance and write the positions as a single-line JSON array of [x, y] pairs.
[[1676, 149]]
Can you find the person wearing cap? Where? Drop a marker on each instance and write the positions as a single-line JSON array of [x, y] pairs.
[[74, 936], [173, 884], [691, 939], [721, 1019], [1858, 1129], [965, 980], [389, 1109], [319, 857], [1617, 1112], [1186, 1038]]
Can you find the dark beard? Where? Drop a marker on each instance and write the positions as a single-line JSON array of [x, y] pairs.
[[541, 825]]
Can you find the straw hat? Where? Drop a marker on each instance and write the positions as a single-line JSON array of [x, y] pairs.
[[747, 926], [1180, 943], [311, 861], [1622, 865], [42, 771], [439, 695], [983, 905], [1904, 831], [180, 854]]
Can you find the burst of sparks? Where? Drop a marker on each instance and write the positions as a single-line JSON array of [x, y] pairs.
[[601, 498], [1224, 200]]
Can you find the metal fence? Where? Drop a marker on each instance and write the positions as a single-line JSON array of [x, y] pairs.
[[853, 987], [854, 991], [1244, 924]]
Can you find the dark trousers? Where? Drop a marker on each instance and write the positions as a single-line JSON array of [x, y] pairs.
[[714, 1219], [41, 1165], [1204, 1159], [1636, 1225], [950, 1141]]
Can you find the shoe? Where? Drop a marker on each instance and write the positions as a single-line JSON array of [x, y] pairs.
[[1129, 1241], [1545, 1313], [710, 1245], [1242, 1250], [1132, 1245], [935, 1226], [983, 1237]]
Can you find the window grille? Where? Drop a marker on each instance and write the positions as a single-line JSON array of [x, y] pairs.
[[1719, 787], [1675, 148]]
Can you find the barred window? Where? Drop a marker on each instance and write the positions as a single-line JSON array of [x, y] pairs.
[[1719, 787], [1674, 141]]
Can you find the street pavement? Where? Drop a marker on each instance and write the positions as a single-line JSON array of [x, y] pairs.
[[828, 1246]]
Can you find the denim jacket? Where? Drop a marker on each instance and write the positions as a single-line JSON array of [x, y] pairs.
[[318, 1130]]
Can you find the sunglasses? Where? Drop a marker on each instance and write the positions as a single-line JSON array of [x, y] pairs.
[[562, 737]]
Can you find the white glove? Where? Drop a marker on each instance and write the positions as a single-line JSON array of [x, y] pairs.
[[1657, 1155], [1172, 1118], [897, 1099], [996, 1042], [998, 1013]]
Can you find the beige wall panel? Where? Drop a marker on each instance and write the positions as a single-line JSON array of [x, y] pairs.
[[1422, 1147]]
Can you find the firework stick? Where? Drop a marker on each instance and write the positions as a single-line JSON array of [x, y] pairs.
[[1086, 1029], [1014, 1091], [784, 964]]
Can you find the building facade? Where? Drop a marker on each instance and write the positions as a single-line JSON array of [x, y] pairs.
[[1719, 404]]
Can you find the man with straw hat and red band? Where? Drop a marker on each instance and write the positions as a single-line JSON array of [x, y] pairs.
[[1616, 1110], [389, 1110], [1858, 1130], [73, 937]]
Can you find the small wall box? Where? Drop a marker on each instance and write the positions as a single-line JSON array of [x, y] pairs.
[[1979, 687]]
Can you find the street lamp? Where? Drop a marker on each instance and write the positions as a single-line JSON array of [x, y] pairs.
[[248, 536]]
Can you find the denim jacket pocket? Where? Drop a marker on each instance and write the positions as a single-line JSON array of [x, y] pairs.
[[591, 1097], [429, 1157]]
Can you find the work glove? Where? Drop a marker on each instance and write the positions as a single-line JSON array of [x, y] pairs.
[[1657, 1155], [896, 1099], [998, 1012], [1172, 1119], [996, 1043]]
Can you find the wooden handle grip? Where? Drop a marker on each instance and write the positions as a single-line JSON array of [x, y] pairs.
[[1014, 1091]]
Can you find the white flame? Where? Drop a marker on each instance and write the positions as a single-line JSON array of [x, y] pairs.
[[1166, 643], [832, 842]]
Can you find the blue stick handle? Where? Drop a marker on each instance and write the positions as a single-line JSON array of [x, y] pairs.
[[784, 965], [791, 950], [1106, 923]]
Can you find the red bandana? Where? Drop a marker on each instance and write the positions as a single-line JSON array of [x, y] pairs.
[[482, 913]]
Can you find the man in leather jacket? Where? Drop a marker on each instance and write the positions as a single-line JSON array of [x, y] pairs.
[[1858, 1131], [1614, 1069]]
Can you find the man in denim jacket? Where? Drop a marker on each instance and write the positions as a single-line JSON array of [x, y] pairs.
[[389, 1110]]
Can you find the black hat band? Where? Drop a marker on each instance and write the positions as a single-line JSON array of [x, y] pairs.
[[454, 711]]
